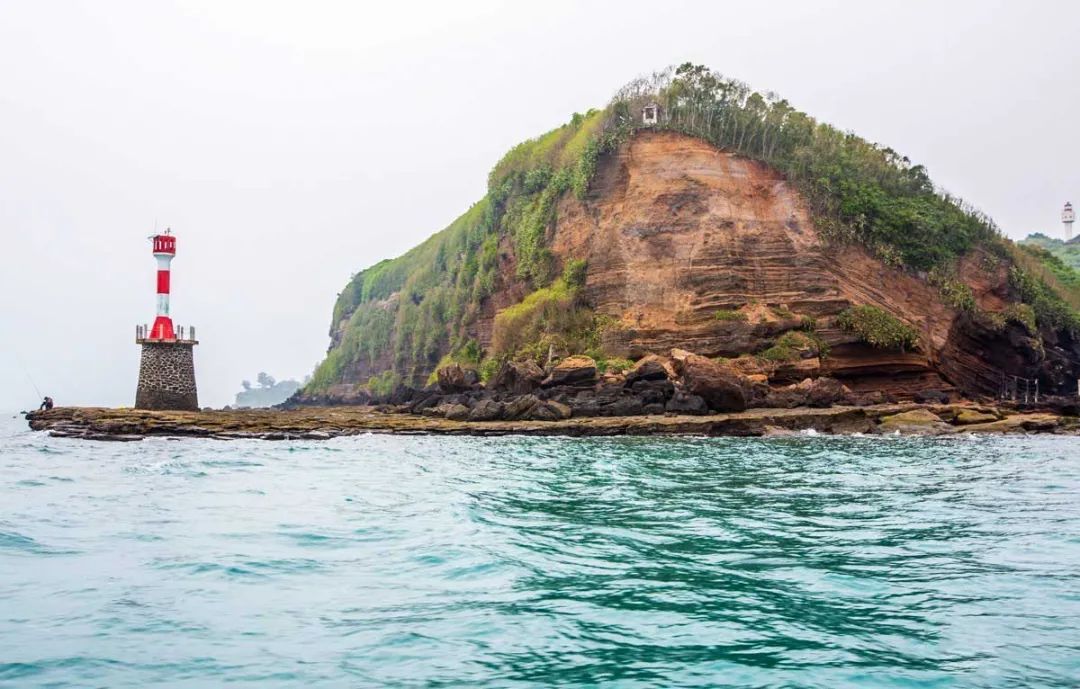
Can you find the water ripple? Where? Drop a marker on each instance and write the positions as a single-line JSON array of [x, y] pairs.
[[501, 562]]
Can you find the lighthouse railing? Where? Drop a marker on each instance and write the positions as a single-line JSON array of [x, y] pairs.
[[184, 333]]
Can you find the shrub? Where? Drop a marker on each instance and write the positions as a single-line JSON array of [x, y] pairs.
[[877, 327], [613, 365], [383, 384], [954, 292], [574, 272], [730, 315], [549, 310]]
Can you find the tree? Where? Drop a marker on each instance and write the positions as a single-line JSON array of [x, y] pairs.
[[265, 380], [246, 384]]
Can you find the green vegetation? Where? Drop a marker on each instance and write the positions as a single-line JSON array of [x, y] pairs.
[[790, 345], [730, 315], [613, 365], [877, 327], [406, 314], [383, 384], [1067, 253], [954, 292]]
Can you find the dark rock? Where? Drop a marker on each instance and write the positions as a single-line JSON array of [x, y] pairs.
[[653, 391], [423, 402], [652, 409], [549, 411], [722, 387], [651, 367], [486, 410], [683, 403], [456, 378], [517, 378], [931, 397], [572, 369], [625, 406], [457, 412], [519, 407], [402, 394]]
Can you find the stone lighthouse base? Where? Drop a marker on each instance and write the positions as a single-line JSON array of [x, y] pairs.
[[167, 376]]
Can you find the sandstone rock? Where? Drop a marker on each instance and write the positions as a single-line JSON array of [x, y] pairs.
[[456, 378], [517, 377], [787, 397], [722, 387], [651, 367], [919, 421], [572, 369], [683, 403], [486, 410], [825, 392], [966, 417], [1019, 423], [867, 399]]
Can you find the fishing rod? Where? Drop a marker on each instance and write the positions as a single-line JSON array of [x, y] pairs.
[[26, 373]]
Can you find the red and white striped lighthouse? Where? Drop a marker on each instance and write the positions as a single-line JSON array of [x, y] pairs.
[[167, 365], [164, 251]]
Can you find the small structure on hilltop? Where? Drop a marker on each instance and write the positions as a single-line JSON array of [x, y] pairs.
[[1067, 219], [650, 114], [167, 366]]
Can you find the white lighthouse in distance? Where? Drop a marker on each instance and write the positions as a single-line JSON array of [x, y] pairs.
[[1067, 218]]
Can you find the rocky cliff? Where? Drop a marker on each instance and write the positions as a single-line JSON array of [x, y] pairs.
[[666, 240]]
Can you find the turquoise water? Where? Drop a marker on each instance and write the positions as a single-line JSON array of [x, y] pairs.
[[516, 562]]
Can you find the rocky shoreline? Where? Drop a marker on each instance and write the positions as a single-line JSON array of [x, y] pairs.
[[321, 423]]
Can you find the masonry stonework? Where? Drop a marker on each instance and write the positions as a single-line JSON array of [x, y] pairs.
[[167, 377]]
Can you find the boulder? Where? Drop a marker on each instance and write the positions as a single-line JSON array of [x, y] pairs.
[[683, 403], [456, 412], [787, 397], [653, 391], [722, 387], [918, 421], [456, 378], [965, 417], [825, 392], [486, 410], [931, 397], [517, 377], [651, 367], [519, 407], [572, 370], [422, 403], [549, 411]]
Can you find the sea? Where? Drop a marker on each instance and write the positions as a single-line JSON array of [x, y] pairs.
[[416, 561]]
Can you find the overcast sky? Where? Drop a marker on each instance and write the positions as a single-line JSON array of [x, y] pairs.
[[289, 145]]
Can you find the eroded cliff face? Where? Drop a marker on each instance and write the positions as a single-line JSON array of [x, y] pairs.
[[676, 231]]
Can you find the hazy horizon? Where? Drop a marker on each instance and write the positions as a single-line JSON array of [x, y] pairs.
[[290, 148]]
